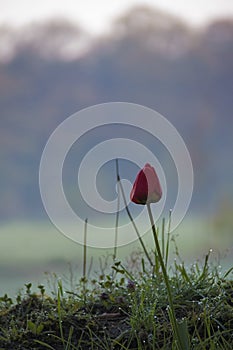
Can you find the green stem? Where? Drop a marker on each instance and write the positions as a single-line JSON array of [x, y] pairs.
[[117, 212], [168, 238], [133, 223], [84, 279], [166, 280], [85, 251]]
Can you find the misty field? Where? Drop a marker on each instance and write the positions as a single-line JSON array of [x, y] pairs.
[[28, 249]]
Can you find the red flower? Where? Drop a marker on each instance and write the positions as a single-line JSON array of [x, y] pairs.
[[146, 188]]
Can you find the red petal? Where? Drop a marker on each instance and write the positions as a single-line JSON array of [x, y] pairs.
[[146, 187], [139, 191]]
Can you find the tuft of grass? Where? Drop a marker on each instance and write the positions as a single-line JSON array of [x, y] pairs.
[[124, 308]]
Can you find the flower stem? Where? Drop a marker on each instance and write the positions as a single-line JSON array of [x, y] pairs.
[[166, 280], [117, 212], [131, 218]]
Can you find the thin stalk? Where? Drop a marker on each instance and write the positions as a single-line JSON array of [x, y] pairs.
[[59, 311], [168, 237], [85, 251], [163, 238], [90, 267], [132, 221], [166, 280], [117, 212], [84, 278]]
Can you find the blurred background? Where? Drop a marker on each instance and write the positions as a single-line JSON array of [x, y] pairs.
[[59, 57]]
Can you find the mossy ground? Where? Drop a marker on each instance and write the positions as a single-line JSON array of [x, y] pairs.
[[122, 309]]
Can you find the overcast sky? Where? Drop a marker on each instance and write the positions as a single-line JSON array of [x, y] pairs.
[[96, 15]]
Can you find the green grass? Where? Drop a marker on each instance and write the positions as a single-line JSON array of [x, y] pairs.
[[124, 306], [151, 300]]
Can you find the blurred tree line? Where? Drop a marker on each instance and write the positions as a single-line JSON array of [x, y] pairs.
[[50, 70]]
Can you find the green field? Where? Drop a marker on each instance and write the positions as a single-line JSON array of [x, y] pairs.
[[28, 249]]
